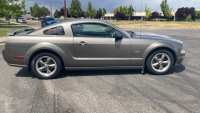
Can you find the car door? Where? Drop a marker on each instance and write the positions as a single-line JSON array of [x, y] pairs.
[[95, 46]]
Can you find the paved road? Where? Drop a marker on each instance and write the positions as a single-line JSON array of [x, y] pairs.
[[31, 23], [107, 91]]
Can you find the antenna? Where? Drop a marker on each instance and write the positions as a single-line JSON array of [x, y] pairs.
[[141, 20]]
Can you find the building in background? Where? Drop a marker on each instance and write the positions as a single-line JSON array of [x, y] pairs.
[[27, 16]]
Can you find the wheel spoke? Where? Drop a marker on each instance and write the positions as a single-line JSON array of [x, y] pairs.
[[48, 71], [41, 62], [41, 68], [165, 62], [160, 67], [156, 58], [155, 64], [163, 56], [52, 65], [48, 60]]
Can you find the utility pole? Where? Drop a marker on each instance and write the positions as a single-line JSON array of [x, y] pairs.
[[65, 9], [51, 10]]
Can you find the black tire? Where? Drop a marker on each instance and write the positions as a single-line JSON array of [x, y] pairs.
[[44, 24], [149, 59], [54, 57]]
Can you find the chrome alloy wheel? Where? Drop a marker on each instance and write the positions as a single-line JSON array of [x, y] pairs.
[[160, 62], [46, 66]]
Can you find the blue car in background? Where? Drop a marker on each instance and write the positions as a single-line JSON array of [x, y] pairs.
[[48, 21]]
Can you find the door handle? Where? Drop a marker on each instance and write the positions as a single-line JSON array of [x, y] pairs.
[[81, 43]]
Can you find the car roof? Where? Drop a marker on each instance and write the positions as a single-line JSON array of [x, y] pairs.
[[48, 17], [85, 20]]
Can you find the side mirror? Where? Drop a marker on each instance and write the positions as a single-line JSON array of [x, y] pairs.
[[117, 35]]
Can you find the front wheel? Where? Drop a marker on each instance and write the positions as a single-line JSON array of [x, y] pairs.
[[44, 24], [160, 62], [46, 65]]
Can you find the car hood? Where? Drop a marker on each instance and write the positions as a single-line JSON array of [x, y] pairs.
[[153, 36], [22, 19], [52, 21]]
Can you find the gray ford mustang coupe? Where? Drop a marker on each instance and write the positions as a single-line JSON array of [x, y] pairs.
[[90, 44]]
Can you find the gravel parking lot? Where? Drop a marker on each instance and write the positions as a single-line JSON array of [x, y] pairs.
[[107, 91]]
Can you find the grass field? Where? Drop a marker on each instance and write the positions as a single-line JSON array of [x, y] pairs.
[[5, 29], [158, 24], [3, 22], [6, 22]]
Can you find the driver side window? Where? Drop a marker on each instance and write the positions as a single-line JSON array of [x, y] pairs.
[[93, 30]]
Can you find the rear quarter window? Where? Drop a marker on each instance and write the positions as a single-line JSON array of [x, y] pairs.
[[54, 31]]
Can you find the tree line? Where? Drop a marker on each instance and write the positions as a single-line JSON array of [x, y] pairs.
[[75, 10], [182, 14], [37, 11]]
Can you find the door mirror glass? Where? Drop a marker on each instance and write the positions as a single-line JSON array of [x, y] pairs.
[[117, 35]]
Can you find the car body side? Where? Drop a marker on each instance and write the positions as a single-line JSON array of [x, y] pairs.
[[26, 46]]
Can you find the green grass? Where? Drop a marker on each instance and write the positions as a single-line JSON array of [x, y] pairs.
[[6, 22], [3, 22], [5, 29], [158, 24]]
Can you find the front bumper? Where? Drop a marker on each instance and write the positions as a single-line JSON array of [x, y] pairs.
[[180, 59]]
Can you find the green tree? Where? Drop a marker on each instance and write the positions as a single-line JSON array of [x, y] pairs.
[[44, 11], [120, 8], [31, 10], [56, 14], [130, 11], [104, 12], [189, 18], [75, 9], [125, 11], [167, 12], [116, 10], [91, 12], [36, 11], [11, 7], [197, 14], [148, 13], [99, 11]]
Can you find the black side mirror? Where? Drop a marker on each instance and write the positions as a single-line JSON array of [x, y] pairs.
[[117, 35]]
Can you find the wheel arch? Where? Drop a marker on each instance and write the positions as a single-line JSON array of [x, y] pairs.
[[48, 47], [154, 48]]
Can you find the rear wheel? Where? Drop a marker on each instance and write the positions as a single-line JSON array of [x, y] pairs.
[[46, 65], [160, 62]]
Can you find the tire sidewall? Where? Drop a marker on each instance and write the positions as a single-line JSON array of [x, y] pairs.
[[148, 63], [57, 60]]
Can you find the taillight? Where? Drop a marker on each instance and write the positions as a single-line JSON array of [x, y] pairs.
[[19, 58]]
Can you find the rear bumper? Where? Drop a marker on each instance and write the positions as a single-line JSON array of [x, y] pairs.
[[10, 59], [180, 59]]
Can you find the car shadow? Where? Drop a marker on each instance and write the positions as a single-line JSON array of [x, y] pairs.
[[78, 73]]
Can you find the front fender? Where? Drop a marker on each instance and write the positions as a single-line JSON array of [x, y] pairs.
[[157, 45]]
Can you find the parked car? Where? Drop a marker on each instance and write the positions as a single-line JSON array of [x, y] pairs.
[[17, 19], [48, 21], [22, 20], [7, 19], [142, 20], [80, 44]]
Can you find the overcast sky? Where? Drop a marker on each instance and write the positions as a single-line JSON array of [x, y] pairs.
[[110, 4]]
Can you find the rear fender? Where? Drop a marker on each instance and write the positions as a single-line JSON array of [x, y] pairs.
[[46, 46]]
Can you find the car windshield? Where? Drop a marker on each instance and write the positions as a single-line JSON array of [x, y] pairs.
[[21, 18], [49, 19], [120, 29]]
